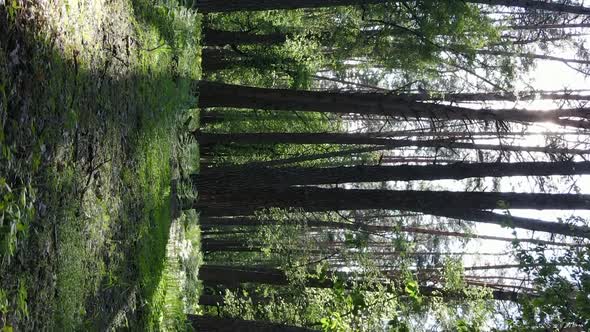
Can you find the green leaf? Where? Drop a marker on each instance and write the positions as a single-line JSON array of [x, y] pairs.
[[411, 288]]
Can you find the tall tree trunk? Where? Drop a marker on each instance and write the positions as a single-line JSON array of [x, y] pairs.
[[216, 324], [472, 215], [208, 139], [226, 178], [213, 37], [465, 205], [220, 6], [216, 6], [226, 95]]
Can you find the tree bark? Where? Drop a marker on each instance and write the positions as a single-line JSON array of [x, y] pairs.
[[208, 139]]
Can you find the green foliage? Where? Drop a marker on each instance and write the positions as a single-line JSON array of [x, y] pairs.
[[409, 36], [16, 213], [563, 293]]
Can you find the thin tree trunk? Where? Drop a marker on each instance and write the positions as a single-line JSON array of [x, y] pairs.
[[358, 226], [495, 96], [533, 56], [507, 220], [548, 26], [232, 276], [207, 139]]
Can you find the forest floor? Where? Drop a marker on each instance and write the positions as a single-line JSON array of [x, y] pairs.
[[95, 98]]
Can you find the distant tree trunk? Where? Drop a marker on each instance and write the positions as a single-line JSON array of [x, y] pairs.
[[214, 37], [210, 117], [216, 324], [234, 245], [227, 95], [214, 59], [207, 139]]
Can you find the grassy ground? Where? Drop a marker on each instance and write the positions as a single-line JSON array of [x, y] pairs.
[[94, 96]]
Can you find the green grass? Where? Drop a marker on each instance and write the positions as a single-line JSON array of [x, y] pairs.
[[93, 96]]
